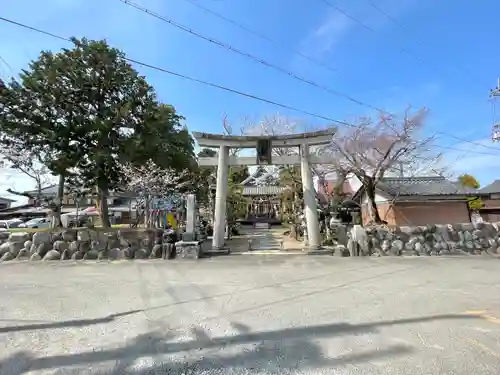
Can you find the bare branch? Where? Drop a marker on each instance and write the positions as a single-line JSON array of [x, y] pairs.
[[372, 149]]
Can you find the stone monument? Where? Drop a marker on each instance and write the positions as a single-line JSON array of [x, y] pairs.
[[190, 245]]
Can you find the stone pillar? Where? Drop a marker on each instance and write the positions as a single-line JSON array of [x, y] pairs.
[[220, 198], [310, 208], [190, 214]]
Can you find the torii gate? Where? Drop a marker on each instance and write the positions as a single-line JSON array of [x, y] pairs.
[[264, 146]]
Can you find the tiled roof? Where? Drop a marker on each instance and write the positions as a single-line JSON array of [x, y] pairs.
[[49, 190], [492, 188], [262, 190], [421, 186]]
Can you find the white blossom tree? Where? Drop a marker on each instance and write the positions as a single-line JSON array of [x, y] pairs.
[[30, 164], [150, 181], [387, 145]]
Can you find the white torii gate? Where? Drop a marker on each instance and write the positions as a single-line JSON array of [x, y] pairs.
[[264, 145]]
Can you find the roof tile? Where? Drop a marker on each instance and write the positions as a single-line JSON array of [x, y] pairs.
[[421, 186]]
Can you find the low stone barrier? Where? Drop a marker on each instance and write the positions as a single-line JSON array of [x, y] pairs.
[[466, 238], [112, 244]]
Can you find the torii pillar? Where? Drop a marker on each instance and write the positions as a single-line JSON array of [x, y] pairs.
[[264, 145]]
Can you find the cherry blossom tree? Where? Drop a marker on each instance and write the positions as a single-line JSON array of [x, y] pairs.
[[150, 181], [387, 145], [27, 162]]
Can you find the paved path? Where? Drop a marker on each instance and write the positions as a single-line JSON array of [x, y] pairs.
[[265, 240], [252, 315]]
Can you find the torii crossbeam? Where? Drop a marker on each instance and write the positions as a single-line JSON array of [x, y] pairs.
[[264, 146]]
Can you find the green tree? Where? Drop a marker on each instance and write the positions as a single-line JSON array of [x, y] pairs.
[[290, 178], [204, 179], [239, 173], [39, 116], [237, 204], [89, 112], [469, 181]]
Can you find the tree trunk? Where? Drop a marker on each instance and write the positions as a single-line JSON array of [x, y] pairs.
[[56, 220], [372, 206], [147, 214], [77, 224], [103, 207]]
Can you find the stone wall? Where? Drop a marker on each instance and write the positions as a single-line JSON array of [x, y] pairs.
[[467, 238], [112, 244]]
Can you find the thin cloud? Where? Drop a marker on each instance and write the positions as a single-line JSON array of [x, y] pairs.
[[335, 26]]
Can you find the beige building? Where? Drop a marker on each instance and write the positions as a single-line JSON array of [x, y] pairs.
[[407, 201]]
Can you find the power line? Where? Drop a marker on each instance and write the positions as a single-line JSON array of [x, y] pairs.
[[221, 44], [265, 37], [317, 62], [371, 29], [251, 96], [401, 26], [7, 65], [224, 88], [248, 55]]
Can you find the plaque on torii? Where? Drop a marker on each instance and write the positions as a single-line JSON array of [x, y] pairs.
[[264, 145]]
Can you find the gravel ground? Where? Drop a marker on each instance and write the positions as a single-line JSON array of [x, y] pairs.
[[276, 314]]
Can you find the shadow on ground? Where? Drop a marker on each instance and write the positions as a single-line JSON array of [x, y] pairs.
[[279, 351]]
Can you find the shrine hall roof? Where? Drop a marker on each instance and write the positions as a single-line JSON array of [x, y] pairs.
[[262, 190]]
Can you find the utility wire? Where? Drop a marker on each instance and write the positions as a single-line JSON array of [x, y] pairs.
[[402, 27], [7, 65], [248, 55], [251, 96], [319, 63], [371, 29], [265, 37], [224, 88]]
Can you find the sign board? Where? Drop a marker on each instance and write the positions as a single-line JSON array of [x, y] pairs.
[[166, 203], [264, 152]]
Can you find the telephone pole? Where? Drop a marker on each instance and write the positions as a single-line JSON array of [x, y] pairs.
[[495, 95]]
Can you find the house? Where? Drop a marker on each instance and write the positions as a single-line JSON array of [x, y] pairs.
[[418, 201], [119, 204], [490, 195], [50, 192], [5, 203], [325, 189]]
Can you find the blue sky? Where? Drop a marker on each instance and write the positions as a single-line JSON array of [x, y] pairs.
[[443, 56]]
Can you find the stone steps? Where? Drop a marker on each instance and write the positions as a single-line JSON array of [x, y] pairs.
[[267, 242]]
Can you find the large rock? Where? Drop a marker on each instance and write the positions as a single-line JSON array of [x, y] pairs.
[[156, 251], [23, 254], [91, 255], [41, 237], [15, 247], [98, 245], [4, 248], [83, 235], [60, 246], [52, 255], [42, 248], [141, 253], [7, 256], [19, 237], [116, 254], [66, 255], [69, 235], [35, 256], [78, 255], [27, 244], [73, 246]]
